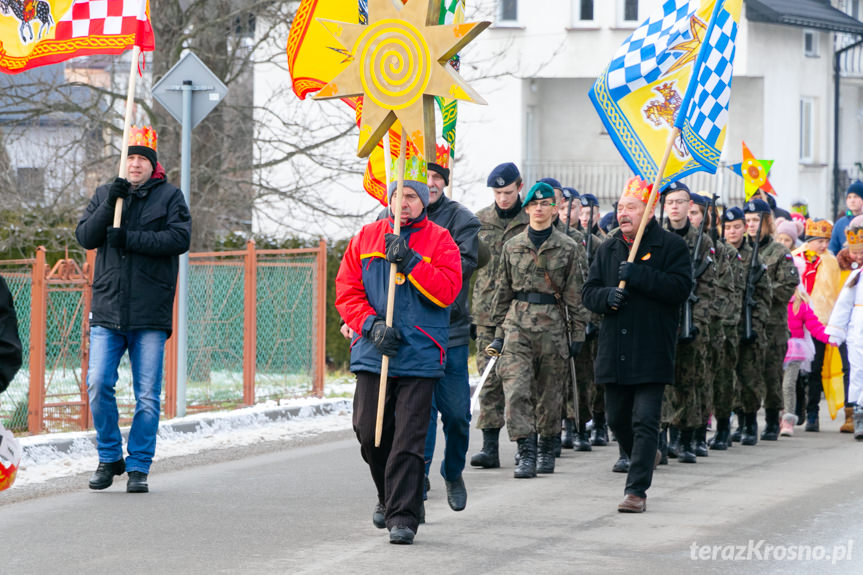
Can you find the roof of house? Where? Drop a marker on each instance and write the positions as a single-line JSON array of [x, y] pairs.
[[818, 14]]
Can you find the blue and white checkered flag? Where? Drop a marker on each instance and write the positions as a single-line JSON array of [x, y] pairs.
[[674, 70]]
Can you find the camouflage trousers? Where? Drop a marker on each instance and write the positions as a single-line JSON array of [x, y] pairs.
[[750, 376], [713, 357], [491, 398], [725, 383], [683, 400], [533, 369], [774, 365], [587, 391]]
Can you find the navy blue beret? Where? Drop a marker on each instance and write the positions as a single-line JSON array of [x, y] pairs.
[[589, 200], [552, 182], [503, 175], [756, 206], [733, 214], [676, 187]]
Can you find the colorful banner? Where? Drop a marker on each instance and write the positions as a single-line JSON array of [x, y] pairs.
[[40, 32], [650, 81]]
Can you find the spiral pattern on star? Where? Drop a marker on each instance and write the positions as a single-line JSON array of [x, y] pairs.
[[395, 64]]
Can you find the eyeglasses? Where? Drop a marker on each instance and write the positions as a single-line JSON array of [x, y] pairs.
[[544, 203], [679, 202]]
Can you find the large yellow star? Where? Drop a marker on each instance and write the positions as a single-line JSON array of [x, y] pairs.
[[399, 63], [697, 28]]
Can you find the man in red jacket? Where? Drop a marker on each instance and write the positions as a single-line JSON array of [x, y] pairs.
[[427, 282]]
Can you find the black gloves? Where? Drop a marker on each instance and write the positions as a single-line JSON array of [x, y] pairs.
[[625, 271], [574, 348], [116, 238], [386, 339], [473, 331], [398, 251], [119, 189], [495, 347], [617, 299]]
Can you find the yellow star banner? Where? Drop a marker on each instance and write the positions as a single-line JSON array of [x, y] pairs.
[[754, 173]]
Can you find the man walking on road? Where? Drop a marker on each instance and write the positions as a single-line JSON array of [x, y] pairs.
[[133, 303], [638, 336]]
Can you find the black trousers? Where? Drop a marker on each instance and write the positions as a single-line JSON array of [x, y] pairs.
[[633, 414], [397, 466], [815, 385]]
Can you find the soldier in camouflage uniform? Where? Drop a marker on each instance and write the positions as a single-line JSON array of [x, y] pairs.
[[683, 406], [499, 222], [541, 271], [728, 303], [784, 278]]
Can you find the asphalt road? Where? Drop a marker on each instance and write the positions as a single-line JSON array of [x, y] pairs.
[[306, 508]]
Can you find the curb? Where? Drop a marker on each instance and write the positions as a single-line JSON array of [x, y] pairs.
[[64, 444]]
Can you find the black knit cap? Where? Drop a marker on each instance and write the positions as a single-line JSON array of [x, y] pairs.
[[148, 153], [438, 169]]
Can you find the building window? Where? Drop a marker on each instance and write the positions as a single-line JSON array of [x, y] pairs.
[[508, 11], [807, 130], [582, 12], [627, 13], [811, 40]]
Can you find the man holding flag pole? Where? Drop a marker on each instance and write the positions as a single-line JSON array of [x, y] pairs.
[[664, 100]]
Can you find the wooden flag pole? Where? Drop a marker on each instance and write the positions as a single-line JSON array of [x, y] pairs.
[[651, 202], [127, 124], [391, 290]]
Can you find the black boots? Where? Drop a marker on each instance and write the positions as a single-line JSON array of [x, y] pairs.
[[622, 463], [673, 441], [526, 458], [488, 457], [456, 494], [545, 455], [723, 433], [568, 426], [812, 421], [103, 477], [582, 439], [556, 445], [599, 437], [663, 446], [771, 425], [737, 436], [700, 446], [750, 429], [684, 452], [137, 482]]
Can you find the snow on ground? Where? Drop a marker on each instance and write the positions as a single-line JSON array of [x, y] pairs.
[[42, 460]]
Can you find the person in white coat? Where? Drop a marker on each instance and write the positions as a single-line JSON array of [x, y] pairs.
[[846, 323]]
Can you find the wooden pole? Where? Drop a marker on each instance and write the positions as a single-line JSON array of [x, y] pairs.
[[451, 170], [127, 124], [391, 290], [651, 202]]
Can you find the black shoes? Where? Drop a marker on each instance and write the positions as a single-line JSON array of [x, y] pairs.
[[568, 428], [599, 437], [771, 425], [379, 515], [812, 421], [685, 454], [582, 441], [456, 494], [700, 446], [750, 430], [621, 465], [526, 467], [488, 457], [137, 482], [103, 477], [401, 535], [545, 455]]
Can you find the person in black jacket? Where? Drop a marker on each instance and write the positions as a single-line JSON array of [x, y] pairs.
[[638, 336], [132, 306], [10, 344]]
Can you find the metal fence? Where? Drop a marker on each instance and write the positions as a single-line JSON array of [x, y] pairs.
[[256, 331]]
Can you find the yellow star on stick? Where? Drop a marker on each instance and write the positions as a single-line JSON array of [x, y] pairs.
[[399, 63]]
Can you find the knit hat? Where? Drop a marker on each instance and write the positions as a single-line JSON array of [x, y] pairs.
[[855, 188], [789, 229], [144, 141], [420, 188], [438, 169]]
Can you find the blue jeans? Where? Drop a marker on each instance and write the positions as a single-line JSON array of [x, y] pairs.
[[146, 351], [452, 399]]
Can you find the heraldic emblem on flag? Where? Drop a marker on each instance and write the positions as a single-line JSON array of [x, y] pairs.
[[40, 32], [674, 70]]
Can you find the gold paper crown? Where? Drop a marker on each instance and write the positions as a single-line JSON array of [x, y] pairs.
[[638, 189], [855, 239], [144, 136], [819, 229]]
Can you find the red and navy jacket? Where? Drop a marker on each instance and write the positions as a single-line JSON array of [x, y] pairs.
[[423, 296]]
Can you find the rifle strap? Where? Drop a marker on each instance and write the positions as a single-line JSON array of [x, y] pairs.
[[558, 295]]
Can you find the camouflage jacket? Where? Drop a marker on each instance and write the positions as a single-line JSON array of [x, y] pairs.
[[763, 291], [494, 232], [783, 277], [728, 297], [522, 269], [704, 284]]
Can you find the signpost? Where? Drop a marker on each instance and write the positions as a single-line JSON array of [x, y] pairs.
[[189, 91]]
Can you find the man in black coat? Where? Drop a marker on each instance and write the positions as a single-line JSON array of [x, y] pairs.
[[638, 336], [132, 306]]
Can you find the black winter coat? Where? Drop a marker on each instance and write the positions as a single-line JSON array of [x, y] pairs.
[[464, 228], [638, 342], [133, 288], [10, 344]]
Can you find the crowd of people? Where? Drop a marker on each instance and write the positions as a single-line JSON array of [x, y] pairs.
[[653, 327]]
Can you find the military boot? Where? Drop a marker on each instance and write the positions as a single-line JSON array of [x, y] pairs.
[[663, 446], [582, 439], [719, 442], [526, 458], [750, 430], [488, 457], [673, 441], [700, 446], [556, 445], [545, 455], [685, 454], [771, 425], [737, 436], [599, 437], [566, 441]]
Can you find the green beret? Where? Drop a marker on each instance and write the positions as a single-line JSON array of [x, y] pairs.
[[539, 191]]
